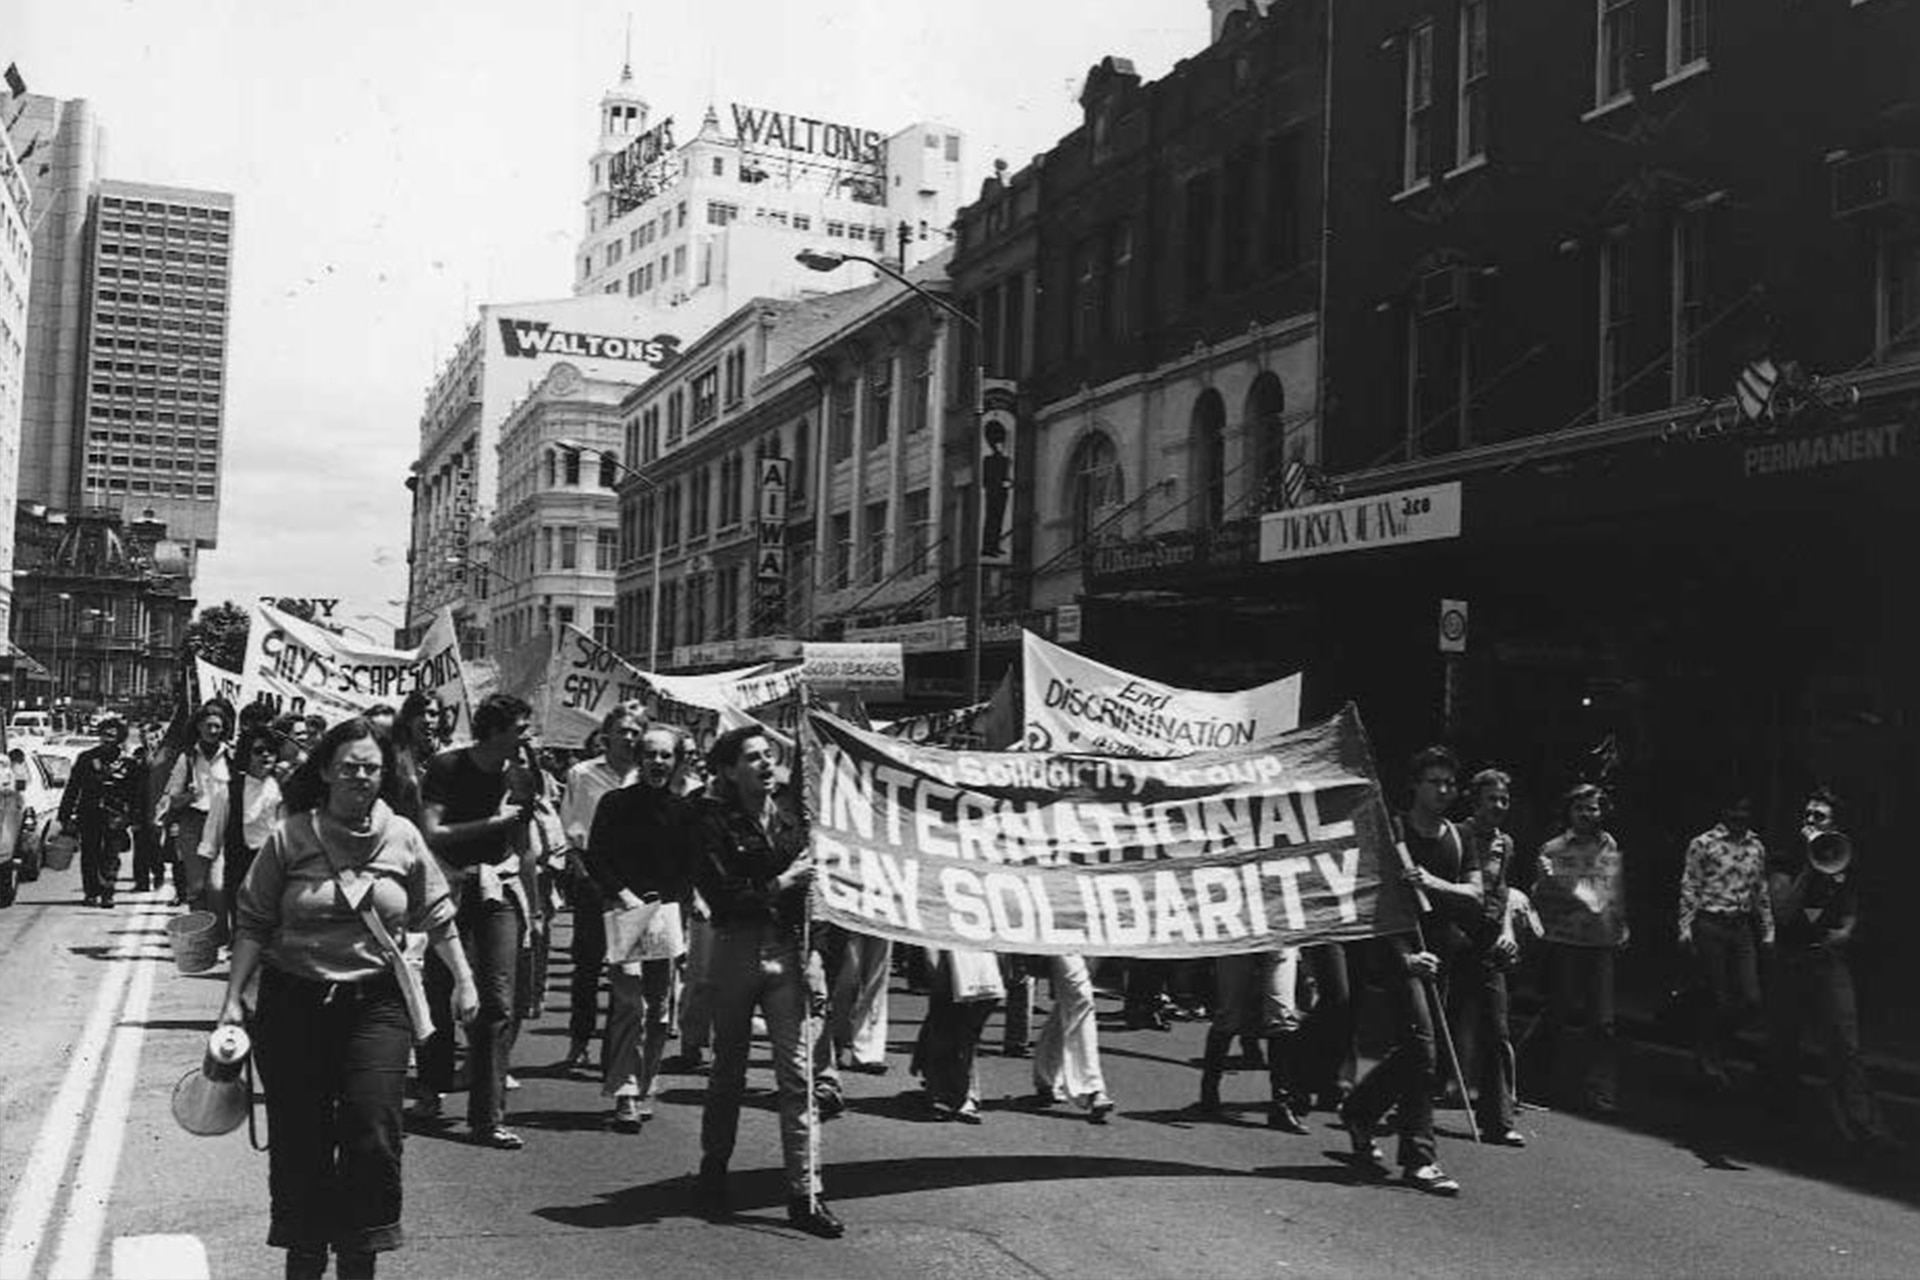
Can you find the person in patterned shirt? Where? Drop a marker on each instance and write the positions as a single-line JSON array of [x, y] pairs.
[[1724, 903]]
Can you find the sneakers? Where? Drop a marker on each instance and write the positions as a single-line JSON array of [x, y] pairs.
[[499, 1139], [512, 1082], [1432, 1179], [829, 1104], [1506, 1138], [577, 1057], [1366, 1152], [1280, 1116], [1099, 1108], [626, 1114], [425, 1109], [814, 1218]]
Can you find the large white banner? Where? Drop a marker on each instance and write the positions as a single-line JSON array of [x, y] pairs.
[[584, 680], [1074, 704], [296, 666]]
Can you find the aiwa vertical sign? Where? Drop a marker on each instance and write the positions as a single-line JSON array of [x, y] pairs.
[[770, 555]]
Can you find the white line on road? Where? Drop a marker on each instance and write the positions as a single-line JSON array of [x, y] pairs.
[[160, 1258], [41, 1180], [86, 1219]]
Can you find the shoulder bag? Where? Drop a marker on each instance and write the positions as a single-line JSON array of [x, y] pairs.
[[412, 990]]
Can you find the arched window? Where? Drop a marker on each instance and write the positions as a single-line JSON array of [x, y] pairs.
[[1098, 488], [1207, 447], [1267, 437]]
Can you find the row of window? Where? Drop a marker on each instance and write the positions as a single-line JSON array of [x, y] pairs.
[[701, 393], [184, 395], [145, 462], [97, 436], [878, 420], [165, 417], [193, 213], [699, 609], [159, 488], [520, 625], [868, 561]]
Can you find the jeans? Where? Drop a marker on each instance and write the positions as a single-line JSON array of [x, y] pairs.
[[99, 858], [235, 873], [1729, 966], [333, 1062], [1477, 1012], [1019, 1009], [760, 965], [589, 959], [1327, 1054], [637, 1027], [1254, 994], [1579, 976], [1813, 988], [948, 1045], [490, 932], [696, 997], [1405, 1076], [149, 858], [1068, 1054]]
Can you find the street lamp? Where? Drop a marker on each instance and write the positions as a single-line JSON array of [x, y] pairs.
[[646, 482], [831, 259]]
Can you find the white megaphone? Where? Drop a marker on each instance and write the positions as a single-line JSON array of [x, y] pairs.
[[212, 1099]]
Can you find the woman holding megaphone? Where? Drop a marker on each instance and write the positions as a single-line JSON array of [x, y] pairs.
[[322, 918]]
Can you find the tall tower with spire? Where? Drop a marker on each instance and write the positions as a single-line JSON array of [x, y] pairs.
[[623, 117]]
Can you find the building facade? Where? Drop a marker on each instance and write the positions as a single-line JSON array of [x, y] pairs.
[[102, 604], [555, 535], [670, 217], [157, 328], [16, 284]]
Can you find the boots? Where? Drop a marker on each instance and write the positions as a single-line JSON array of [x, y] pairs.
[[1280, 1114], [1213, 1065]]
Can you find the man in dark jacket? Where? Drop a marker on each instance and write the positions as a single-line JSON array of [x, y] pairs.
[[637, 852], [104, 797]]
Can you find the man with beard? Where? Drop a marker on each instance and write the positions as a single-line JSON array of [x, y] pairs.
[[637, 854]]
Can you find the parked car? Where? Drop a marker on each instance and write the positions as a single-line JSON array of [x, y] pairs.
[[48, 767], [13, 837], [30, 724]]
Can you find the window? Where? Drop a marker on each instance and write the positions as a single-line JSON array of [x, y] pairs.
[[874, 562], [879, 423], [736, 376], [840, 443], [1236, 216], [572, 470], [569, 547], [917, 553], [1267, 427], [546, 546], [801, 222], [650, 435], [680, 260], [1083, 296], [706, 396], [696, 630], [670, 516], [1098, 485], [1470, 123], [840, 533], [720, 213], [606, 549], [1615, 315], [1199, 246], [802, 460], [1613, 58], [676, 418], [1689, 300], [1416, 145], [726, 603], [609, 469], [919, 391], [1686, 35], [603, 627], [719, 166], [1898, 305], [669, 615], [1013, 328], [733, 470], [699, 502], [1207, 439]]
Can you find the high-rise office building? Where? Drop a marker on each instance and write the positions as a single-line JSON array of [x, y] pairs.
[[16, 274], [155, 386]]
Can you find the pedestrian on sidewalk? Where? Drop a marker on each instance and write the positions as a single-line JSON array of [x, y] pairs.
[[638, 852], [966, 986], [1580, 892], [253, 809], [1815, 888], [475, 811], [1066, 1059], [1255, 997], [1725, 908], [752, 867], [331, 1030], [587, 783], [105, 795], [1409, 975]]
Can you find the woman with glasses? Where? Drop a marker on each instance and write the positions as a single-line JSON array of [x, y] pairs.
[[253, 810], [330, 1027]]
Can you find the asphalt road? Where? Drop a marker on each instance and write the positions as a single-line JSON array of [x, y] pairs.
[[97, 1179]]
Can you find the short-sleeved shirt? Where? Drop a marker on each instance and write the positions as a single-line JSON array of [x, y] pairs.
[[466, 793], [587, 783], [292, 906], [1581, 893]]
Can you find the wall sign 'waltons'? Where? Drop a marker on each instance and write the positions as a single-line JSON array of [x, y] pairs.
[[805, 136], [530, 339]]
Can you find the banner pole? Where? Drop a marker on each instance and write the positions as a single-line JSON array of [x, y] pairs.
[[807, 1029]]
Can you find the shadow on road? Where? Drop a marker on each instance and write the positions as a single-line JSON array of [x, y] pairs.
[[763, 1188]]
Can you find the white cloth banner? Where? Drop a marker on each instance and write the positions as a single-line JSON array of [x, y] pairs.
[[297, 666], [1074, 704], [585, 680]]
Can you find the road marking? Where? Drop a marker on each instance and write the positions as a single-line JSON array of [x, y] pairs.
[[41, 1180], [86, 1219], [160, 1258]]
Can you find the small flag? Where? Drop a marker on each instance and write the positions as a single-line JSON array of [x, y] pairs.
[[1293, 485], [1753, 389]]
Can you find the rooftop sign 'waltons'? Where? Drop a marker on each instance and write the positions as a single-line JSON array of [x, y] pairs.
[[530, 339]]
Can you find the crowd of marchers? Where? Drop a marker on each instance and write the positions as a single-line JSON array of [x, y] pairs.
[[389, 898]]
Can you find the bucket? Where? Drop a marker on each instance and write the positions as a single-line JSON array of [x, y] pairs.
[[56, 851], [195, 938]]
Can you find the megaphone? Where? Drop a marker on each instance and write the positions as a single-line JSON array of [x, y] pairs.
[[212, 1099], [1829, 853]]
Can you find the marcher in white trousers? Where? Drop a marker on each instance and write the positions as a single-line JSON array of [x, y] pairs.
[[860, 1002], [1066, 1061]]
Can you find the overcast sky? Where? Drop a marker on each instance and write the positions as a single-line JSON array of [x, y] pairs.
[[396, 163]]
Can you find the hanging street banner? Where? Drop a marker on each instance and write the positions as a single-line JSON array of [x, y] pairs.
[[1073, 703], [876, 670], [1279, 844], [296, 666]]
